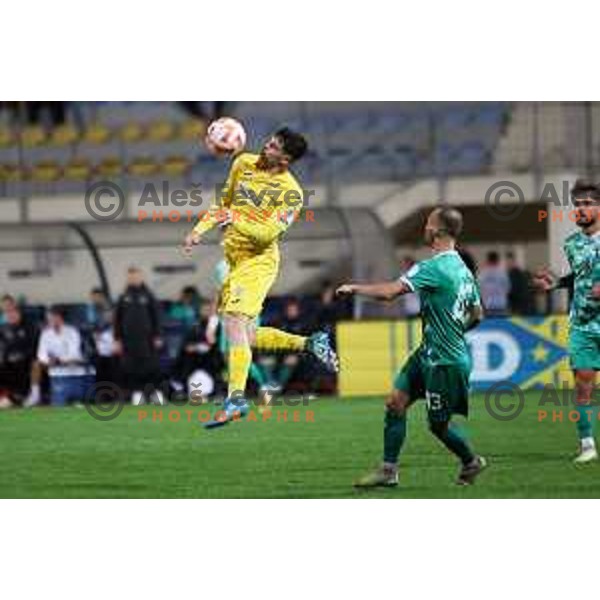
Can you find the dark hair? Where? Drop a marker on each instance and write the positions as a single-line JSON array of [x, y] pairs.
[[493, 257], [8, 298], [58, 310], [294, 144], [451, 221], [585, 188]]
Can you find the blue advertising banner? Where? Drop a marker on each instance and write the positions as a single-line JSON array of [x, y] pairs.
[[529, 352]]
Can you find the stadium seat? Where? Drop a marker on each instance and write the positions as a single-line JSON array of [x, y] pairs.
[[7, 137], [63, 135], [192, 129], [110, 167], [96, 134], [176, 165], [11, 172], [160, 131], [32, 136], [45, 171], [131, 132], [142, 167], [372, 140], [78, 169]]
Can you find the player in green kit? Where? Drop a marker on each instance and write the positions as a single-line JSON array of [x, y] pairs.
[[582, 250], [439, 369]]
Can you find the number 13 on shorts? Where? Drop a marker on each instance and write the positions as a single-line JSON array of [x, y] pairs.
[[435, 403]]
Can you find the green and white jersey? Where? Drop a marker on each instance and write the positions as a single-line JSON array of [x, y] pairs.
[[448, 291], [583, 253]]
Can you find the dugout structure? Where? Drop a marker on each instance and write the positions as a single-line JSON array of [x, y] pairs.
[[60, 261]]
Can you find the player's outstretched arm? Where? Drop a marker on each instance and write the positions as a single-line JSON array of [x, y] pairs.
[[388, 290], [545, 281]]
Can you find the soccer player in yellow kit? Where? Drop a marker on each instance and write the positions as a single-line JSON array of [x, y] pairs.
[[259, 202]]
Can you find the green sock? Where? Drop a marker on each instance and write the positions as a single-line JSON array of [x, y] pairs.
[[257, 374], [285, 372], [585, 428], [456, 442], [394, 434]]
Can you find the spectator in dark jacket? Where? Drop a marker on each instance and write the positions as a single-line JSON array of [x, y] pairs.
[[288, 370], [18, 341], [520, 294], [200, 352], [137, 338]]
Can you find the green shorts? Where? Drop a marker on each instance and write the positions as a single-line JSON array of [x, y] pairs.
[[584, 350], [445, 388]]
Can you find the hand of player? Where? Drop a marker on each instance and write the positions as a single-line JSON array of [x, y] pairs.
[[347, 289], [224, 216], [117, 348], [544, 280], [191, 240]]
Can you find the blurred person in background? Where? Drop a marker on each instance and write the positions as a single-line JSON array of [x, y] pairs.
[[494, 285], [137, 339], [18, 340], [284, 369], [98, 312], [520, 294], [104, 342], [8, 303], [199, 352], [59, 351], [468, 259], [185, 310], [330, 309]]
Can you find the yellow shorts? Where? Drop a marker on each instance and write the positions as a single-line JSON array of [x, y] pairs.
[[246, 287]]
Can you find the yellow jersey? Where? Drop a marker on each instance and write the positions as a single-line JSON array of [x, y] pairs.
[[263, 205]]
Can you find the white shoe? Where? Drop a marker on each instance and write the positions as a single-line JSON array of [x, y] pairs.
[[158, 398], [586, 455], [32, 401], [385, 476], [137, 398]]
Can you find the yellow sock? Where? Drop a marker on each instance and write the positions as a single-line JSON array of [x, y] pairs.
[[240, 358], [268, 338]]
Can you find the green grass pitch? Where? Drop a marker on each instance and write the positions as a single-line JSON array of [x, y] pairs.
[[64, 453]]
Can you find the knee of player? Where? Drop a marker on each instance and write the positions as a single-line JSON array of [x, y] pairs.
[[397, 403], [236, 327], [585, 377]]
